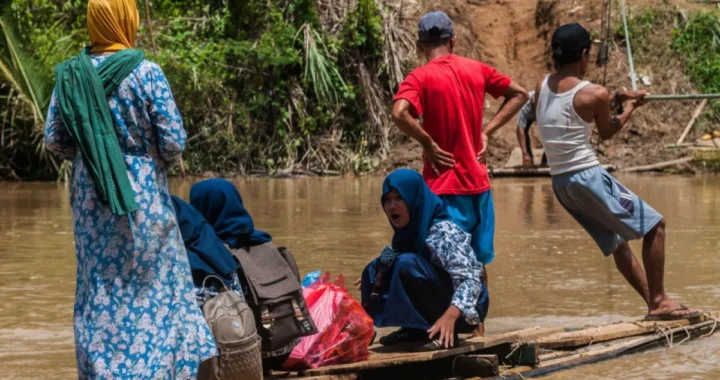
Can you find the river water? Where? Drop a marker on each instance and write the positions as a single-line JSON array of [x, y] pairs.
[[547, 271]]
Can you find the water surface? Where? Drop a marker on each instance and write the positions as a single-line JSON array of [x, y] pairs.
[[547, 271]]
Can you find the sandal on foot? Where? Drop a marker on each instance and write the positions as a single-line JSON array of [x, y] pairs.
[[404, 335], [435, 345], [670, 317]]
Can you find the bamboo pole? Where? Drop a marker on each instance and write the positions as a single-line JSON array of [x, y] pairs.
[[149, 25], [689, 125], [660, 165], [682, 97], [633, 75]]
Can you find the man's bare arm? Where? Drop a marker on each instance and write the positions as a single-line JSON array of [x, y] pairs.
[[515, 97], [608, 122], [411, 127]]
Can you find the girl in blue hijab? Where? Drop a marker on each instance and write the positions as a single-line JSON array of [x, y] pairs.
[[207, 254], [428, 281], [221, 204]]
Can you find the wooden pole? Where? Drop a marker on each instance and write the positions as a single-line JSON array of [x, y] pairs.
[[689, 125], [148, 20], [660, 165]]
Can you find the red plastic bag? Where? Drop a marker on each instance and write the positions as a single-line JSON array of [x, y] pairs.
[[344, 329]]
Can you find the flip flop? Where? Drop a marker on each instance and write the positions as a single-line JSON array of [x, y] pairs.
[[669, 317]]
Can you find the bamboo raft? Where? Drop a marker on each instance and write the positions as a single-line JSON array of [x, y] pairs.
[[518, 354]]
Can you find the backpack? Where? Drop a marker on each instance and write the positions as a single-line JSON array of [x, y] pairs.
[[273, 292], [233, 326]]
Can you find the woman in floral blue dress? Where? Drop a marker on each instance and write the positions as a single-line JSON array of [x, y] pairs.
[[135, 315]]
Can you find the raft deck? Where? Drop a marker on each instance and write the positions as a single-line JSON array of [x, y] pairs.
[[518, 354]]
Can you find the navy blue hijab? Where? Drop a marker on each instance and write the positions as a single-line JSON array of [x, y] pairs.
[[220, 203], [207, 254], [425, 209]]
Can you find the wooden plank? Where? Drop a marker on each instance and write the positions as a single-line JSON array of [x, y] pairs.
[[678, 333], [344, 376], [534, 172], [689, 125], [604, 333], [659, 165], [611, 350], [475, 365], [387, 359]]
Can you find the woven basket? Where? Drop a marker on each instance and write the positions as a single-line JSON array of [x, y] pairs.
[[241, 362]]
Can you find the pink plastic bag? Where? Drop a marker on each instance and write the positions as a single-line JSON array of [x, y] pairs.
[[344, 329]]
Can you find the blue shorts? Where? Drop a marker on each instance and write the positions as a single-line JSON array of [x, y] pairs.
[[475, 214], [609, 212]]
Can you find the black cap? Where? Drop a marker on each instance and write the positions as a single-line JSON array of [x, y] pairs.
[[569, 42], [435, 26]]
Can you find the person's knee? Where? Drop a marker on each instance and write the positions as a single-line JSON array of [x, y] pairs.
[[406, 262], [660, 227]]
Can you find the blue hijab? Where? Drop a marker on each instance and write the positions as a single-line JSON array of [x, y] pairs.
[[221, 205], [425, 210], [207, 254]]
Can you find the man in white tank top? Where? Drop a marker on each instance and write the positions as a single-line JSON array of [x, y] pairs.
[[566, 108]]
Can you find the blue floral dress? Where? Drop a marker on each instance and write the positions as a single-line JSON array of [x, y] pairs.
[[135, 312]]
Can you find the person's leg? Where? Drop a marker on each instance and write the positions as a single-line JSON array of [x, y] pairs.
[[604, 201], [629, 267], [417, 297], [654, 261], [474, 214]]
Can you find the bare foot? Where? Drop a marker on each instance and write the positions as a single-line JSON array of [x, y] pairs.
[[669, 309], [480, 330]]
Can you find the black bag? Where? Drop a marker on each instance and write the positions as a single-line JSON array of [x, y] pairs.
[[274, 294]]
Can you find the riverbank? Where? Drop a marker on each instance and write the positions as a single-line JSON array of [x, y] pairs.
[[250, 107]]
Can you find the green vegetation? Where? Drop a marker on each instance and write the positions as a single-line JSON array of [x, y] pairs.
[[664, 35], [698, 43], [263, 85]]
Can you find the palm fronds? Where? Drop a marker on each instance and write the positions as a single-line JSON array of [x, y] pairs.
[[21, 70], [320, 69]]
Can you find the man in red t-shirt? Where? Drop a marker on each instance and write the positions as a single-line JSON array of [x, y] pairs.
[[449, 93]]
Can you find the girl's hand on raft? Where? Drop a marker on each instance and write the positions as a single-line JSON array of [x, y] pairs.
[[444, 328]]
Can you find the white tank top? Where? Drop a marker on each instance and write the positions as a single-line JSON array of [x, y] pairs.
[[565, 135]]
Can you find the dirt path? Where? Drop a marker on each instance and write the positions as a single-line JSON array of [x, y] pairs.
[[512, 36]]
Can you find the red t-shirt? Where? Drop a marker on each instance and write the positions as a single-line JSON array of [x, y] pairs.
[[449, 93]]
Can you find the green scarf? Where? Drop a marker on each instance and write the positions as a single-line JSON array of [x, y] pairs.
[[82, 91]]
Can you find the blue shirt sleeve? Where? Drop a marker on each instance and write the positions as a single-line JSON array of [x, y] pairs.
[[451, 250], [57, 137], [165, 116]]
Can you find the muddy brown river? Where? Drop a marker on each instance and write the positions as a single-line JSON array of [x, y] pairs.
[[547, 271]]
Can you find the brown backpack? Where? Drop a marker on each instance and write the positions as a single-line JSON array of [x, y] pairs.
[[233, 326], [274, 294]]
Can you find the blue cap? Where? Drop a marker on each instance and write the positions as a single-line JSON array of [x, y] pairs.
[[435, 26]]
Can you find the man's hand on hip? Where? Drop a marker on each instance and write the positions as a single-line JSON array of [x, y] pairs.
[[438, 158]]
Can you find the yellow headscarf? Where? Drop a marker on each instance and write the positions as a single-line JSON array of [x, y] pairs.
[[112, 24]]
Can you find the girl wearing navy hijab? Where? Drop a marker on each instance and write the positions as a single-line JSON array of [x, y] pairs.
[[221, 204], [433, 286], [206, 252]]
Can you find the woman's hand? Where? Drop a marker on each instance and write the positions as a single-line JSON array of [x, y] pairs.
[[444, 328], [358, 282]]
